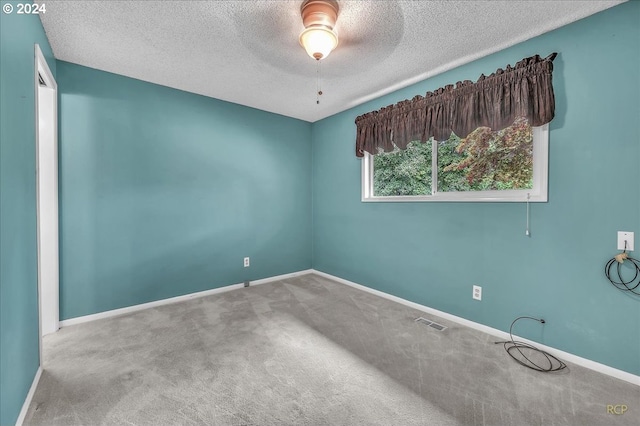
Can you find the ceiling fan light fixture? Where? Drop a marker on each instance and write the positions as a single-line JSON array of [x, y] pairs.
[[319, 17], [318, 42]]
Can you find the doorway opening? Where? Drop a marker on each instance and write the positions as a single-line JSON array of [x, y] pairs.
[[46, 96]]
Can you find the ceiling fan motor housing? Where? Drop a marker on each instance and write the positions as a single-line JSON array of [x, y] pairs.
[[319, 13]]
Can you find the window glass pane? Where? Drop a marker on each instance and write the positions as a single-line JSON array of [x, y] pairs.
[[487, 160], [406, 172], [453, 179]]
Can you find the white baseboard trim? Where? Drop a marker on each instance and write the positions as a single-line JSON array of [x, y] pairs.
[[143, 306], [27, 401], [566, 356]]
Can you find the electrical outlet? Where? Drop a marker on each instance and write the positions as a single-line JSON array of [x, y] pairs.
[[624, 236], [477, 292], [246, 262]]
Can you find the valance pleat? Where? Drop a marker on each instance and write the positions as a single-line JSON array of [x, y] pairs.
[[494, 101]]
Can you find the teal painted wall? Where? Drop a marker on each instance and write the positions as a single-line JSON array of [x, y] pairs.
[[432, 253], [163, 192], [19, 357]]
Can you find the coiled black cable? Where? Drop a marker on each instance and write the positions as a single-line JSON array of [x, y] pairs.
[[511, 346], [622, 284]]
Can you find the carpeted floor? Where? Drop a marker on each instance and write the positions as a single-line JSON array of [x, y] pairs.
[[304, 351]]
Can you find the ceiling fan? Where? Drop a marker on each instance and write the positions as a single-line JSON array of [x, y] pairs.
[[319, 18]]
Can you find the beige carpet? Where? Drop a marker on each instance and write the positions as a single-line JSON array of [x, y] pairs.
[[304, 351]]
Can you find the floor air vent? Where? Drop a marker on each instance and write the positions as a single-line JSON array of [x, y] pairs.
[[430, 323]]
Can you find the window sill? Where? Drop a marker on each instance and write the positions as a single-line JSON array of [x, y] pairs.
[[484, 197]]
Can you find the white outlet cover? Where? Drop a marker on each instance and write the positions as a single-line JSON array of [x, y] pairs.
[[625, 236], [477, 292]]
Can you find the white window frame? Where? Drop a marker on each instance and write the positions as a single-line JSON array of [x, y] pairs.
[[539, 192]]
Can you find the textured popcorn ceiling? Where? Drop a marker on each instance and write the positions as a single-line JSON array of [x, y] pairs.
[[247, 52]]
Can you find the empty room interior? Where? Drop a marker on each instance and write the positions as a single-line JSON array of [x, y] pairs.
[[320, 212]]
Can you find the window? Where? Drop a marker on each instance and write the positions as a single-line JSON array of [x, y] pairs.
[[505, 165]]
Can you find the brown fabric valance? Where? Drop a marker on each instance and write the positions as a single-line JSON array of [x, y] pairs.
[[495, 101]]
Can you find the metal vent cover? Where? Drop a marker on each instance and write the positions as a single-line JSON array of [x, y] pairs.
[[430, 323]]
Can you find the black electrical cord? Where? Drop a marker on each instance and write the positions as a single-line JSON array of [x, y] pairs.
[[621, 284], [513, 345]]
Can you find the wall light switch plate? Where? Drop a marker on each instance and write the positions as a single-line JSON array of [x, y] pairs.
[[625, 236]]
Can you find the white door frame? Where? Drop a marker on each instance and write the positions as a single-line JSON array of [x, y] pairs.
[[47, 216]]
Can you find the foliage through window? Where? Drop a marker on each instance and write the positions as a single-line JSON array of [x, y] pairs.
[[486, 165]]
